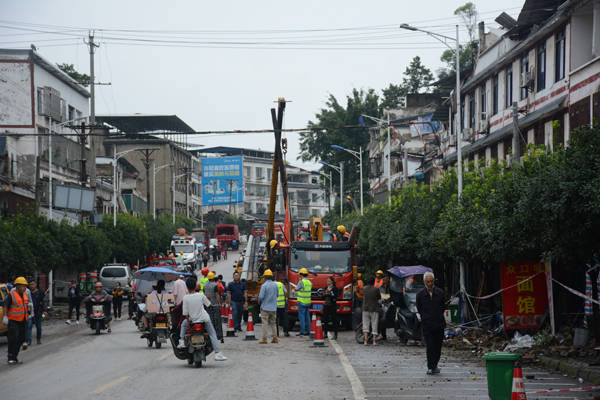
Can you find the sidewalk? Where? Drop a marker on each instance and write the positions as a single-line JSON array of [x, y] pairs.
[[393, 371]]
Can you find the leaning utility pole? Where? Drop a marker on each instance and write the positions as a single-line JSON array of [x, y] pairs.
[[92, 124]]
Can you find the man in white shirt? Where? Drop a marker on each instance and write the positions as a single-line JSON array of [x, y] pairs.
[[179, 290], [193, 310]]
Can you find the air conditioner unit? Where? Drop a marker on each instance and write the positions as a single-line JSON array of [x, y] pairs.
[[484, 125], [402, 102], [526, 79], [468, 134]]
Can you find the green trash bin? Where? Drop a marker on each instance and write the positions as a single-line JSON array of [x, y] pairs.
[[454, 313], [499, 366]]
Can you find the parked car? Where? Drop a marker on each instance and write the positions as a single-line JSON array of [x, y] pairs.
[[110, 274], [3, 294]]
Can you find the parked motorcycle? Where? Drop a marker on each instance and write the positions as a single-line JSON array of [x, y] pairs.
[[158, 330], [197, 345]]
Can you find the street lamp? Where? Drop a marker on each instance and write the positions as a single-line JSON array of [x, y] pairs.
[[358, 155], [444, 40], [154, 171], [175, 177], [116, 157], [340, 171], [50, 174], [327, 176]]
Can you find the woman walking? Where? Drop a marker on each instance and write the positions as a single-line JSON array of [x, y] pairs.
[[330, 307], [117, 294]]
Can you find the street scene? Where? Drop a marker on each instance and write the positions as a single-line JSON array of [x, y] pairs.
[[334, 200]]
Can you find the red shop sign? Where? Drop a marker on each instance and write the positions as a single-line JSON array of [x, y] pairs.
[[523, 305]]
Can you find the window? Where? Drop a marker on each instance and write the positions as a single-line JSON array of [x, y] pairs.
[[524, 70], [314, 197], [269, 173], [483, 103], [71, 115], [541, 67], [508, 87], [559, 56], [495, 95], [462, 113], [247, 172], [260, 173], [472, 110]]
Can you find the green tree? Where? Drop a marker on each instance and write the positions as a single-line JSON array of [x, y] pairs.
[[468, 13], [69, 69], [416, 78]]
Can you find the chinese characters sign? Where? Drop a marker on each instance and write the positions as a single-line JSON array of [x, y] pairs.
[[222, 181], [524, 302]]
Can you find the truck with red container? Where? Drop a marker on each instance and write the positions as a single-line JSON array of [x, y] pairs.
[[225, 234], [201, 236]]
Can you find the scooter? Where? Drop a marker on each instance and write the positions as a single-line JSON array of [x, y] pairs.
[[197, 345], [158, 330], [97, 318]]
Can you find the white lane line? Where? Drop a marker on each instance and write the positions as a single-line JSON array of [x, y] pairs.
[[357, 386], [109, 385]]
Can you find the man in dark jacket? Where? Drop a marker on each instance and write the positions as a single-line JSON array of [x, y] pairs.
[[74, 295], [430, 304]]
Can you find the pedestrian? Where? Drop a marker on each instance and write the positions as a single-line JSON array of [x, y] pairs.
[[282, 316], [370, 312], [117, 294], [204, 279], [38, 301], [74, 295], [430, 304], [304, 290], [237, 299], [388, 312], [268, 307], [15, 309], [224, 254], [211, 291], [330, 307], [205, 258], [358, 290], [378, 278], [30, 315]]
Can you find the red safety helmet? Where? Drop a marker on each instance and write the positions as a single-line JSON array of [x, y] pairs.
[[205, 271], [198, 287]]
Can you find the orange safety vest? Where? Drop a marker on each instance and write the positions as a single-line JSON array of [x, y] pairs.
[[359, 288], [18, 307], [378, 282]]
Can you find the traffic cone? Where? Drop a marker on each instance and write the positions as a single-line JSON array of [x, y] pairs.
[[313, 325], [318, 340], [224, 313], [518, 389], [250, 328], [230, 329]]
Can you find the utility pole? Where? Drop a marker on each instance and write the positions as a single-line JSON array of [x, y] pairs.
[[92, 46], [230, 185], [147, 161], [83, 160], [516, 134]]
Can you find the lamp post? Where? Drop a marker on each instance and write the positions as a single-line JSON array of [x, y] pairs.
[[389, 155], [116, 157], [357, 155], [340, 171], [444, 40], [175, 177], [154, 171], [327, 176]]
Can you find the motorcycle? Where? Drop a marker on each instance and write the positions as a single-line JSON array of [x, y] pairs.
[[158, 326], [197, 345], [97, 317]]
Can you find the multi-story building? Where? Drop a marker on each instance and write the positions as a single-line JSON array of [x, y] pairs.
[[307, 197], [36, 99], [548, 63]]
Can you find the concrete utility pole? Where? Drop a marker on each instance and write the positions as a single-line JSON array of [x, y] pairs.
[[92, 163], [147, 161], [516, 133]]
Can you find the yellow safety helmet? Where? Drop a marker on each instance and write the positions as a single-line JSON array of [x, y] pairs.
[[303, 271], [341, 229], [211, 275], [379, 272], [359, 276], [273, 243], [20, 281], [268, 272]]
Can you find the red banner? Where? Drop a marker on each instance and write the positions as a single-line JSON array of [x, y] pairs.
[[524, 304]]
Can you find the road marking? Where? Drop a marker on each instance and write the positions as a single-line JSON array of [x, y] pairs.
[[357, 386], [110, 384], [163, 356]]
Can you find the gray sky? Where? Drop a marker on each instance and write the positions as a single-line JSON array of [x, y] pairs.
[[321, 48]]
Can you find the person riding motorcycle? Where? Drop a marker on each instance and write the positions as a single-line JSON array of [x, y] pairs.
[[159, 290], [99, 296]]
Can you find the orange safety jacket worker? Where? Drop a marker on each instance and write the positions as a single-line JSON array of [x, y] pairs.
[[359, 288], [17, 311], [378, 282]]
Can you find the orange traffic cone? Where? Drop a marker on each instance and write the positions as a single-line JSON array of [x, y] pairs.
[[318, 340], [250, 328], [313, 325], [230, 329], [224, 312], [518, 389]]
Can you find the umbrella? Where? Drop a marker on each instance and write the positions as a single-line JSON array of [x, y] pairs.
[[158, 273], [404, 271]]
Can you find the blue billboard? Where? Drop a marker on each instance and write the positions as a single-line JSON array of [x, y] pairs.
[[222, 181]]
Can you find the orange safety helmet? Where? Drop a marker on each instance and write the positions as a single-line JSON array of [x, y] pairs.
[[205, 271]]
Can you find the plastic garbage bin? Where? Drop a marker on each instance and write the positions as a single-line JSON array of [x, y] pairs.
[[499, 366]]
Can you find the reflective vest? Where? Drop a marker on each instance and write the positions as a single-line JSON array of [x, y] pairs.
[[202, 283], [378, 282], [304, 293], [280, 295], [18, 307], [359, 288]]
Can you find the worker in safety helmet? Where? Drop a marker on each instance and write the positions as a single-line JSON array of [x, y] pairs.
[[378, 278], [16, 310], [204, 279], [277, 255], [303, 291], [343, 233]]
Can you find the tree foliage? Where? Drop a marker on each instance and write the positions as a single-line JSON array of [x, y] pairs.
[[69, 69]]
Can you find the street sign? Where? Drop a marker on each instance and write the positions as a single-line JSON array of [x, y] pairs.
[[524, 296]]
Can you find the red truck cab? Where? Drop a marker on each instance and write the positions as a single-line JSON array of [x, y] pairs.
[[225, 234], [201, 236], [258, 229]]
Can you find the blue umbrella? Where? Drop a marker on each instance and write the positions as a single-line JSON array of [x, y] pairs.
[[403, 272], [158, 273]]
